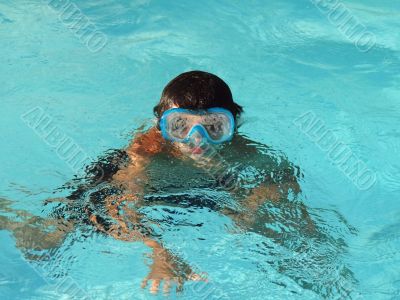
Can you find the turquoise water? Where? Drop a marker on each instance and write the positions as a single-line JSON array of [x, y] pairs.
[[285, 61]]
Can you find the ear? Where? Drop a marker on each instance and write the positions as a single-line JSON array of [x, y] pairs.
[[239, 120]]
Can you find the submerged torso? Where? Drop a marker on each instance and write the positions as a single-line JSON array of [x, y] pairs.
[[237, 168]]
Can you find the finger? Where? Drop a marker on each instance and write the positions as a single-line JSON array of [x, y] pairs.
[[144, 282], [179, 286], [167, 286], [198, 277], [204, 276], [154, 286]]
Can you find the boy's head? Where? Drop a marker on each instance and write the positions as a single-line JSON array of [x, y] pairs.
[[197, 90], [197, 108]]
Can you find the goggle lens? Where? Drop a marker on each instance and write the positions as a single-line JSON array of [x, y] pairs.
[[178, 123]]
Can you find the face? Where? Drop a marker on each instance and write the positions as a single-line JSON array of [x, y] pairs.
[[198, 146]]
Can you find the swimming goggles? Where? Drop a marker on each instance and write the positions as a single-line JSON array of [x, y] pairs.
[[216, 125]]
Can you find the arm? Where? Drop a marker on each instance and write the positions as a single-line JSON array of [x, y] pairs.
[[271, 190], [277, 186], [276, 193], [130, 225], [33, 232], [140, 152]]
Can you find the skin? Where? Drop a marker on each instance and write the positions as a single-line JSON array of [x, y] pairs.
[[141, 151], [166, 268]]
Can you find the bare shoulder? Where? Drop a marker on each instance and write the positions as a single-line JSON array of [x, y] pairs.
[[146, 143], [263, 157], [243, 143]]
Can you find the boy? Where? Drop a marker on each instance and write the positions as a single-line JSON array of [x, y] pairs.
[[194, 145]]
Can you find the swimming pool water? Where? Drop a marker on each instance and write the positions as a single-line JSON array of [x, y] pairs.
[[285, 61]]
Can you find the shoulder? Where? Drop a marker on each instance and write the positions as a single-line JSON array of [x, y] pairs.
[[271, 162], [101, 170], [149, 143], [146, 143], [241, 149]]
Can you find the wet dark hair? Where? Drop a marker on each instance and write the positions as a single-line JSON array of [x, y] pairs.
[[197, 90]]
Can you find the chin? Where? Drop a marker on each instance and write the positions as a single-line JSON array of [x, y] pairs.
[[186, 149], [190, 151]]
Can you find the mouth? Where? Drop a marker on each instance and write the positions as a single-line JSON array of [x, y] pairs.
[[197, 150]]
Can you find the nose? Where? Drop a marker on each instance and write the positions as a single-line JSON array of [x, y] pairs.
[[196, 138]]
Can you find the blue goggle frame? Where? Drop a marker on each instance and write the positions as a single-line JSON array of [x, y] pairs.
[[198, 127]]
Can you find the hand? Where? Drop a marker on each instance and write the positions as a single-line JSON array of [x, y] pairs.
[[169, 270]]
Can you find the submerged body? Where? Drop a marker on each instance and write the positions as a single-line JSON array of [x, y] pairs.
[[150, 173], [199, 161], [111, 198]]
